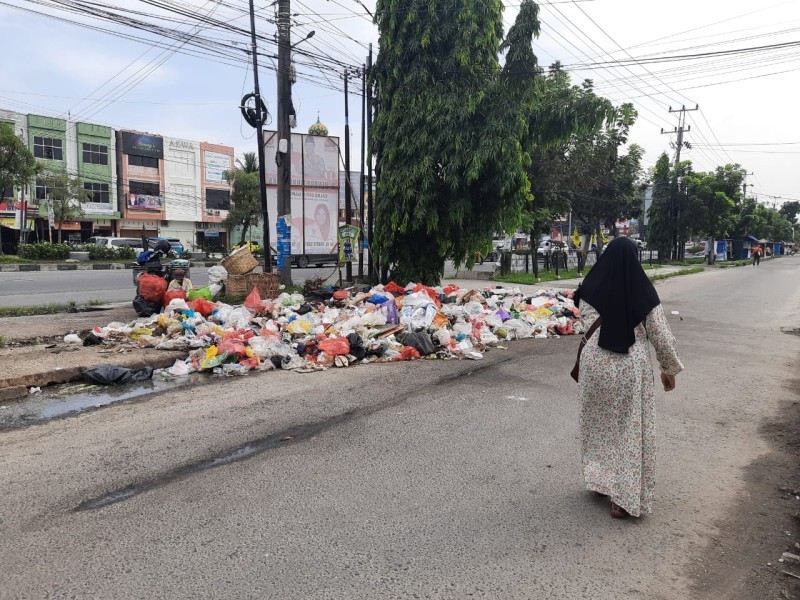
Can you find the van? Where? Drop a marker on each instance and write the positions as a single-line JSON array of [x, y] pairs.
[[174, 243], [116, 242]]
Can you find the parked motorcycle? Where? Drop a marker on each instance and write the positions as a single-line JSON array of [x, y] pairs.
[[150, 261]]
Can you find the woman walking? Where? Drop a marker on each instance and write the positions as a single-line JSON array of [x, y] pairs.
[[616, 378]]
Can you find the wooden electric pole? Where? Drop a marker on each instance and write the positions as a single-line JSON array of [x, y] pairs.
[[674, 203], [283, 158]]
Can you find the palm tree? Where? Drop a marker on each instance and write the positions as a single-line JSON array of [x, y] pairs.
[[250, 164]]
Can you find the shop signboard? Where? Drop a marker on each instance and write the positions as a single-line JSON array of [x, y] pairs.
[[145, 202], [142, 144], [216, 164]]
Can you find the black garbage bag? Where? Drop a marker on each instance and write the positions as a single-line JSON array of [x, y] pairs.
[[144, 308], [111, 374], [304, 309], [421, 341], [321, 295], [92, 340], [357, 348]]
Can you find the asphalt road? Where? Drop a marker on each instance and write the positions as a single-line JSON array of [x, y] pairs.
[[44, 287], [432, 479]]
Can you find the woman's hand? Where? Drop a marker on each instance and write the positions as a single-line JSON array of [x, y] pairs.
[[668, 381]]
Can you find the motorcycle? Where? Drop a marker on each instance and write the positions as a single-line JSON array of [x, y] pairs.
[[150, 261]]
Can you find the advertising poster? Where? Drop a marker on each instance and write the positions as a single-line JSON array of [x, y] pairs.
[[145, 202], [271, 167], [215, 166], [97, 208], [314, 226], [320, 161], [348, 243], [142, 145]]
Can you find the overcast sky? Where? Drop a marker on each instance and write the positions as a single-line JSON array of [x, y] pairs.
[[748, 101]]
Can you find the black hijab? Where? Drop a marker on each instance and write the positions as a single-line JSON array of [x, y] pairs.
[[618, 288]]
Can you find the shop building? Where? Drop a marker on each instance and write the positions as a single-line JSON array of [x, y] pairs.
[[96, 165], [11, 208], [140, 183], [216, 193], [182, 200]]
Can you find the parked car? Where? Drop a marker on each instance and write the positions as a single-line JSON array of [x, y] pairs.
[[174, 243], [254, 246], [117, 242]]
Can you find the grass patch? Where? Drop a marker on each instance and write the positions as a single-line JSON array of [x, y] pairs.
[[698, 269], [2, 341], [732, 263], [30, 311], [9, 259], [529, 278], [96, 302]]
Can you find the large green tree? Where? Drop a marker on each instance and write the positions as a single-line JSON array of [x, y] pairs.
[[604, 181], [17, 165], [450, 130], [711, 202], [245, 209], [658, 226], [790, 210], [65, 196], [563, 113]]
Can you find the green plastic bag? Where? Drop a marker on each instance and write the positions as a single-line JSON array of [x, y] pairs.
[[199, 293]]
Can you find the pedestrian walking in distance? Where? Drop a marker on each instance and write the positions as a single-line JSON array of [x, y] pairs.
[[617, 389], [757, 255]]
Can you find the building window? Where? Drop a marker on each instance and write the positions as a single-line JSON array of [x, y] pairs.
[[49, 148], [7, 193], [43, 192], [144, 188], [95, 154], [99, 191], [134, 160], [218, 200]]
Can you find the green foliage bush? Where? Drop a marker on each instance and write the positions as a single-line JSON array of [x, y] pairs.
[[45, 251], [105, 253]]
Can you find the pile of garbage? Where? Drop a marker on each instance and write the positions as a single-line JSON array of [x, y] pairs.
[[334, 327]]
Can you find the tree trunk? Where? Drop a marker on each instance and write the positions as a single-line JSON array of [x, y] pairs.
[[599, 234]]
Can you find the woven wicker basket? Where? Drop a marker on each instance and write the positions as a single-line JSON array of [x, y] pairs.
[[267, 284], [241, 261], [237, 285]]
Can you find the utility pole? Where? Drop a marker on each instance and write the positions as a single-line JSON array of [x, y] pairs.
[[283, 158], [348, 199], [744, 185], [361, 180], [373, 279], [256, 117], [674, 208]]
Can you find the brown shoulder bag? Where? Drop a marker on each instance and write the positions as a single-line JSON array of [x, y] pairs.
[[586, 336]]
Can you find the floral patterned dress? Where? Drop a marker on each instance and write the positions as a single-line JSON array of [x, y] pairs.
[[618, 411]]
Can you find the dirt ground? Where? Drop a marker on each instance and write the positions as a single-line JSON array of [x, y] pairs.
[[745, 563], [35, 354]]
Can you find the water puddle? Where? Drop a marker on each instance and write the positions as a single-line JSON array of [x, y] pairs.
[[73, 398]]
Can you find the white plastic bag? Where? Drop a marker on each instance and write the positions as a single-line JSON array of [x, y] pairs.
[[217, 275]]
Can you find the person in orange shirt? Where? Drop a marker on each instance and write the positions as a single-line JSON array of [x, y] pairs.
[[757, 255]]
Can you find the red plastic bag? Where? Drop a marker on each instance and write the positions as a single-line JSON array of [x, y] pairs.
[[231, 347], [407, 353], [395, 289], [450, 289], [202, 306], [171, 295], [565, 329], [429, 291], [152, 287], [341, 295], [334, 346], [253, 302]]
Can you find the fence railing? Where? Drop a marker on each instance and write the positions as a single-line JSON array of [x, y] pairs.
[[557, 261]]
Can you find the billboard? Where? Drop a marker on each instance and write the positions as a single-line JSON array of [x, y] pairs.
[[145, 202], [141, 144], [215, 164], [313, 229], [315, 160]]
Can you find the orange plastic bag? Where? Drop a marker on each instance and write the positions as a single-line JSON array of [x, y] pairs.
[[152, 287], [450, 289], [334, 346], [253, 302], [341, 295], [394, 289], [171, 295], [407, 353], [202, 306]]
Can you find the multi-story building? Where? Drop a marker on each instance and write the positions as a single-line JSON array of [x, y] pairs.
[[182, 201], [11, 213], [216, 193], [95, 160], [140, 183]]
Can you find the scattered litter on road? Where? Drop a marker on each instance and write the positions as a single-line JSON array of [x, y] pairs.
[[73, 338], [35, 390], [338, 328]]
